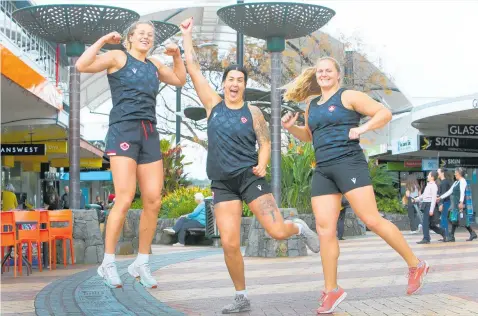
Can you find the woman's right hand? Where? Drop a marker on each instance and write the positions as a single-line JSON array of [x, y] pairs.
[[187, 26], [112, 38], [289, 119]]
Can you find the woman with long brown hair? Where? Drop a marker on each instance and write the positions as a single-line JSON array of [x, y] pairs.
[[411, 192], [132, 140], [332, 120]]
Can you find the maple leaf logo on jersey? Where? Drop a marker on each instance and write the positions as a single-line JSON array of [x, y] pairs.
[[124, 146], [243, 120], [331, 108]]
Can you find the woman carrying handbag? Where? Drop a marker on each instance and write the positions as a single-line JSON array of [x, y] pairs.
[[461, 206]]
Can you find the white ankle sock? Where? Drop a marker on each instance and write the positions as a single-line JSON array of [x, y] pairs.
[[108, 258], [141, 259], [243, 292], [300, 227]]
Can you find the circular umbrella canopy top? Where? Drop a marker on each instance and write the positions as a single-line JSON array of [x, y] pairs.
[[275, 19], [68, 23], [162, 31], [195, 113]]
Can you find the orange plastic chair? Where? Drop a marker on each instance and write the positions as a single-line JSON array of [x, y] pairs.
[[29, 236], [45, 232], [61, 233], [8, 236]]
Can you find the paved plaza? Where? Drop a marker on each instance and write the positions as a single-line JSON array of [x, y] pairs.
[[194, 281]]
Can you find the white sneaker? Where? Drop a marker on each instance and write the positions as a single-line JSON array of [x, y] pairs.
[[143, 274], [110, 275], [169, 231], [178, 245]]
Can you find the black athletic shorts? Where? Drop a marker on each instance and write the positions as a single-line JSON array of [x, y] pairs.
[[137, 139], [244, 187], [342, 176]]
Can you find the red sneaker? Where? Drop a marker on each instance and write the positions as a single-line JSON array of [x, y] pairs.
[[416, 277], [329, 301]]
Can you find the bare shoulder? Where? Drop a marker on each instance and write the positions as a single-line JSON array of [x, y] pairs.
[[351, 99], [254, 110], [119, 58], [156, 62]]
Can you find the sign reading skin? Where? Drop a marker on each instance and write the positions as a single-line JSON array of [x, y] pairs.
[[468, 162], [440, 143], [23, 149], [462, 129]]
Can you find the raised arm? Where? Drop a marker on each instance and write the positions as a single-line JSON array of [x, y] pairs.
[[302, 133], [91, 62], [209, 98], [263, 139], [365, 105], [175, 76]]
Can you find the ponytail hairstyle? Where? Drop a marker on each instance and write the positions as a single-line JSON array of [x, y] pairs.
[[130, 31], [306, 85]]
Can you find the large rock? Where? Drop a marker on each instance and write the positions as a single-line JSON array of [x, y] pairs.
[[160, 236], [260, 244], [124, 248], [87, 239], [400, 220], [91, 255]]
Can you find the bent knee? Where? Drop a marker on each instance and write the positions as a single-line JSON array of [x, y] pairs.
[[230, 246], [373, 222], [152, 203]]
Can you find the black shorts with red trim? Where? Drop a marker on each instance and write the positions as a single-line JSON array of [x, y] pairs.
[[137, 139]]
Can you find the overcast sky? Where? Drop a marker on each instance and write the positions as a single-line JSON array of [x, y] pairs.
[[430, 48]]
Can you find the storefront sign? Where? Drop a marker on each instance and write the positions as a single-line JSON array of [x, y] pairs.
[[413, 163], [23, 149], [400, 166], [449, 144], [468, 162], [404, 145], [87, 163], [56, 147], [429, 164], [462, 129]]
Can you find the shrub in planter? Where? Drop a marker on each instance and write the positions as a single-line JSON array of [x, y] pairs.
[[388, 205], [181, 201]]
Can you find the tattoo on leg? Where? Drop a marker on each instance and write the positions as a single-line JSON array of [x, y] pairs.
[[268, 206]]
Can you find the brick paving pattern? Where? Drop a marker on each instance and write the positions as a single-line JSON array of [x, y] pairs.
[[194, 281]]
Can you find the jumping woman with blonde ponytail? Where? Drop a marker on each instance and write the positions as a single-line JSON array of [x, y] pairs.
[[133, 141], [332, 120]]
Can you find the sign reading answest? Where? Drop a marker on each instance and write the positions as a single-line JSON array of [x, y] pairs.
[[23, 149], [462, 129], [459, 144]]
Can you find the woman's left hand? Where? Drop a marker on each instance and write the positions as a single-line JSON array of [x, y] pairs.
[[461, 206], [355, 132], [172, 50]]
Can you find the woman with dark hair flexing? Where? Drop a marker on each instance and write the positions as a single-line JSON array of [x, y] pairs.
[[236, 169], [133, 141], [332, 124]]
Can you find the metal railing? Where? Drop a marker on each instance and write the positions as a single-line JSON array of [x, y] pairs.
[[40, 52]]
